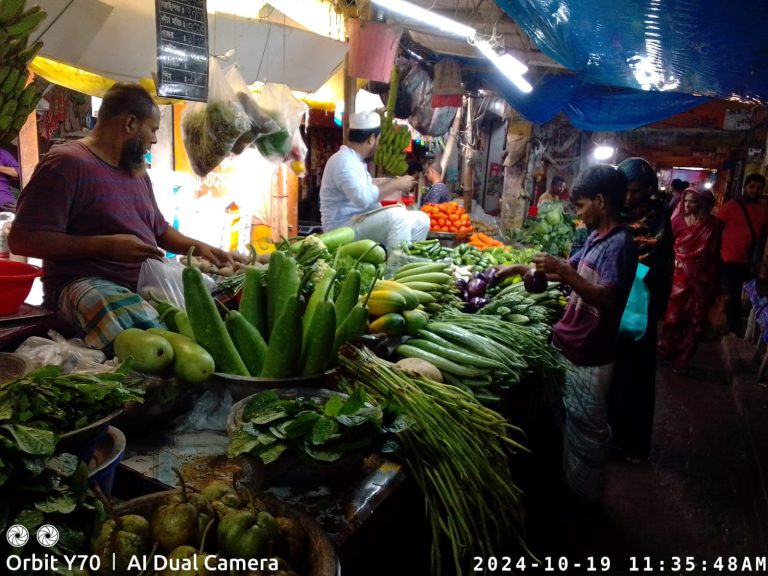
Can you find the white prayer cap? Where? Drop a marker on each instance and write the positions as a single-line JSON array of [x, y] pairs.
[[364, 121]]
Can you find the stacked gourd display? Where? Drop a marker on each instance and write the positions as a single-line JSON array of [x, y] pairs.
[[17, 99], [272, 334]]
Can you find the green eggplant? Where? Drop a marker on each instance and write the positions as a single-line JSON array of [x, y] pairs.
[[126, 537], [247, 534]]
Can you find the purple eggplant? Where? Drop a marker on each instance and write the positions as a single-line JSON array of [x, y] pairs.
[[535, 282], [474, 304], [490, 276], [461, 286], [476, 287]]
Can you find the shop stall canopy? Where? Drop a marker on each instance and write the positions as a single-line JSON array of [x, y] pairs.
[[613, 64], [705, 47], [635, 62], [116, 39]]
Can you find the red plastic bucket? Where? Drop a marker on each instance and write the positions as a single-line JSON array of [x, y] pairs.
[[15, 283], [372, 49]]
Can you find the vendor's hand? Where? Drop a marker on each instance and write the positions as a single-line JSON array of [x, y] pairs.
[[130, 248], [511, 270], [404, 183], [549, 264], [215, 255]]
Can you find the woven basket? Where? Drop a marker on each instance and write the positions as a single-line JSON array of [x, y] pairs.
[[321, 555], [13, 365]]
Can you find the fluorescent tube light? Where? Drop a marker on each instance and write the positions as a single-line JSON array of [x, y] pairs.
[[510, 66], [522, 84], [427, 17], [507, 63]]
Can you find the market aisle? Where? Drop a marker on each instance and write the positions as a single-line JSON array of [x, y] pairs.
[[696, 495]]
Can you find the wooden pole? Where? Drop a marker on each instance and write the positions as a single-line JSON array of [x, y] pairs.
[[350, 92], [450, 144], [29, 154], [467, 171]]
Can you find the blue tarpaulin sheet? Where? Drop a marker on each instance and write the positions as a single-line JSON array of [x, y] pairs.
[[591, 107], [704, 47]]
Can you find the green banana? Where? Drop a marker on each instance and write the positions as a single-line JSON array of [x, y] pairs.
[[5, 69], [5, 123], [10, 81], [10, 10], [8, 109], [19, 121], [27, 22], [29, 96], [28, 54], [13, 47], [21, 82]]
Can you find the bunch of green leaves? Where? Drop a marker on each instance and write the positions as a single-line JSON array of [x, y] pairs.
[[368, 272], [552, 229], [35, 408], [50, 399], [320, 431], [53, 491]]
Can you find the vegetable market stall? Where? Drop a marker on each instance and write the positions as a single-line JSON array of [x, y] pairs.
[[310, 290], [342, 504]]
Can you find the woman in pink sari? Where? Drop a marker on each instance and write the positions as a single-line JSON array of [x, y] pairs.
[[694, 285]]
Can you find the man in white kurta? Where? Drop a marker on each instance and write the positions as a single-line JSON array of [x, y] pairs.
[[350, 197]]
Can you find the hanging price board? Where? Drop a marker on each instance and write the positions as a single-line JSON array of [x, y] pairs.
[[182, 49]]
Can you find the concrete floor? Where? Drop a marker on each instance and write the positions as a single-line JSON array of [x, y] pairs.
[[702, 494]]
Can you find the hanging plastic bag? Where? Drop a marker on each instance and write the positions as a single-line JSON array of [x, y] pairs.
[[298, 153], [634, 321], [286, 110], [211, 129], [261, 122]]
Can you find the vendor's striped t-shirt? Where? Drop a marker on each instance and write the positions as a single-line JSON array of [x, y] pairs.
[[73, 191], [587, 335]]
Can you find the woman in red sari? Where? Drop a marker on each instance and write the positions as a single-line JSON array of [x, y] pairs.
[[694, 285]]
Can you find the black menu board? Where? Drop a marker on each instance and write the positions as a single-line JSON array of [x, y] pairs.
[[182, 49]]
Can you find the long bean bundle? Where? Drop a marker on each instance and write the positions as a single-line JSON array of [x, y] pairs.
[[457, 451], [516, 341]]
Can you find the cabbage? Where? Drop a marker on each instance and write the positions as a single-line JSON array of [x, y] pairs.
[[554, 217]]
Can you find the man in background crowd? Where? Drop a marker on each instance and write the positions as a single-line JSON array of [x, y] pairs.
[[555, 192], [744, 222], [438, 192]]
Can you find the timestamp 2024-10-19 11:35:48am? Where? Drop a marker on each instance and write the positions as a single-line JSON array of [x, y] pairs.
[[646, 565]]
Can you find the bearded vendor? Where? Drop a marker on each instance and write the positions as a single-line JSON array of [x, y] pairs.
[[350, 197], [89, 212]]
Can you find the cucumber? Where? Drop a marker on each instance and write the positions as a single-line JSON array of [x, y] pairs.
[[442, 364]]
